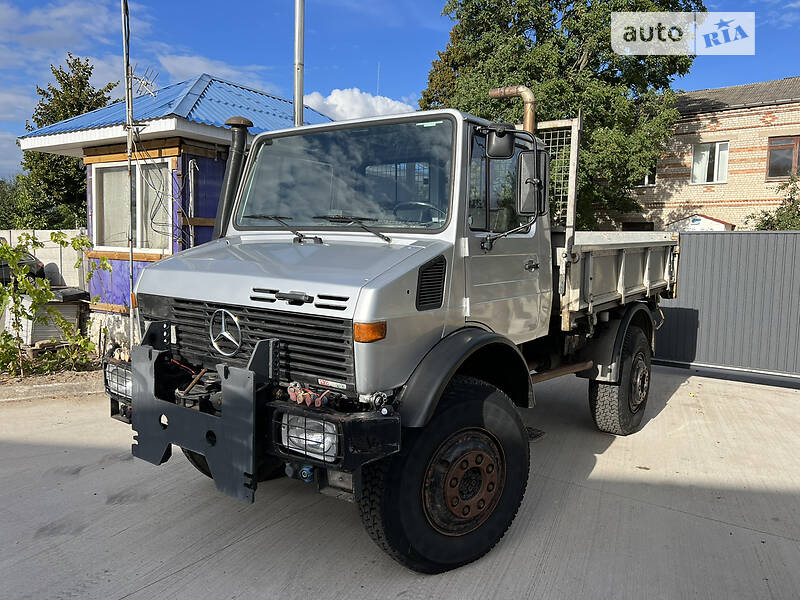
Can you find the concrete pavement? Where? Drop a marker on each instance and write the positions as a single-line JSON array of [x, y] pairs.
[[703, 502]]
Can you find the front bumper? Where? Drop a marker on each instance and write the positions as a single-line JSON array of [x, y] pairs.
[[235, 441]]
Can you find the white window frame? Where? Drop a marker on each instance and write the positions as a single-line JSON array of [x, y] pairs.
[[644, 183], [716, 146], [95, 195]]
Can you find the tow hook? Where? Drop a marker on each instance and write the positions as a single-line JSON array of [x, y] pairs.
[[304, 473]]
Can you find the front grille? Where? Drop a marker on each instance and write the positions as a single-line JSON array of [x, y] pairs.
[[311, 347]]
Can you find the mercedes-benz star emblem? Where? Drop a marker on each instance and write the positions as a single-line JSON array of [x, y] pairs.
[[225, 333]]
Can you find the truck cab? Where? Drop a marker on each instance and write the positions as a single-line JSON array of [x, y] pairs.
[[380, 296]]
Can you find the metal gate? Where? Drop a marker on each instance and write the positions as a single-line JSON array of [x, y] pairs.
[[738, 304]]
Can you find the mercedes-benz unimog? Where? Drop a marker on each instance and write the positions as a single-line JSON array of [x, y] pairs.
[[378, 301]]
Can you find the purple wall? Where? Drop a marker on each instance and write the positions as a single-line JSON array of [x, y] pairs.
[[210, 172], [112, 287]]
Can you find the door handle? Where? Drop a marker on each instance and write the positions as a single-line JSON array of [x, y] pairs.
[[531, 265]]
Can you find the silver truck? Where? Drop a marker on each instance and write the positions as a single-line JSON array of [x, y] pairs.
[[378, 301]]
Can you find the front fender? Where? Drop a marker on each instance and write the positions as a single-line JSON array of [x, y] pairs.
[[470, 351]]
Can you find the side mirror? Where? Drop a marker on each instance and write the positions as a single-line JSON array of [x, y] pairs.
[[500, 144], [543, 158], [529, 184]]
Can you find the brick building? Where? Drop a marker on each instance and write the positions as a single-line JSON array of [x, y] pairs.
[[731, 149]]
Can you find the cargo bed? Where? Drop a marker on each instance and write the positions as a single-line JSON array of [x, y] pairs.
[[610, 268]]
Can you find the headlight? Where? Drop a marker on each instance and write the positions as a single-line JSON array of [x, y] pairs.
[[118, 379], [314, 438]]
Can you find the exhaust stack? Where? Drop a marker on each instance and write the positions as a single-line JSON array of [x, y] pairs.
[[524, 92], [233, 172]]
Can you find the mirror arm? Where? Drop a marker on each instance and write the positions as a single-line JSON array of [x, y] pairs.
[[487, 243]]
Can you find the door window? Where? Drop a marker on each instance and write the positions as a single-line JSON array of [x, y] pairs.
[[491, 194]]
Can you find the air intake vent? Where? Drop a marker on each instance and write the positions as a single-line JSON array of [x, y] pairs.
[[331, 302], [430, 284], [263, 295]]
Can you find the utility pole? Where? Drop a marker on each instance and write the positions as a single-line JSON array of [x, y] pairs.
[[126, 40], [299, 34]]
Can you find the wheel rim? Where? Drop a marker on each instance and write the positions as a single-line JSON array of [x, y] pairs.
[[463, 482], [640, 382]]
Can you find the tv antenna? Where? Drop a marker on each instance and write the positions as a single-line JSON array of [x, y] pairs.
[[146, 82]]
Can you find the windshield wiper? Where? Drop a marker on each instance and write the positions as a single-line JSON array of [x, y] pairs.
[[348, 220], [299, 237]]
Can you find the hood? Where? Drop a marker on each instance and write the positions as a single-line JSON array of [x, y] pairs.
[[251, 273]]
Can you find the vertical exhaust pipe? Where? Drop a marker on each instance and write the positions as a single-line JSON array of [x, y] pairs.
[[524, 92], [299, 34], [233, 173]]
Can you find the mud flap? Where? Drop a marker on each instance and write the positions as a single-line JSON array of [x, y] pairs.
[[228, 441]]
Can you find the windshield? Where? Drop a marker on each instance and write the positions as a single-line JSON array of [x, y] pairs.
[[394, 176]]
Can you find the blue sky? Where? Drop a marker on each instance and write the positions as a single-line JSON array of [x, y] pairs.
[[252, 43]]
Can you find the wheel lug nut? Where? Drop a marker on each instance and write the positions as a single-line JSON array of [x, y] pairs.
[[490, 487], [454, 501], [465, 511], [489, 468], [479, 459], [464, 464], [481, 504], [453, 482]]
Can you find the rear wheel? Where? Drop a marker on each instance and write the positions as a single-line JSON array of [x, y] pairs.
[[272, 468], [619, 409], [449, 496]]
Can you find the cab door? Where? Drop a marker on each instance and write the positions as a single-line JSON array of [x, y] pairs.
[[507, 286]]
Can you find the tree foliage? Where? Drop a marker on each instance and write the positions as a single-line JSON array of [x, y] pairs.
[[51, 194], [787, 215], [562, 51], [25, 298]]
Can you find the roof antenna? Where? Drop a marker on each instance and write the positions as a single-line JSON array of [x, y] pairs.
[[146, 83]]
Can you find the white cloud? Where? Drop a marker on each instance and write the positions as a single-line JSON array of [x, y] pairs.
[[109, 68], [10, 154], [57, 25], [16, 104], [182, 66], [352, 103]]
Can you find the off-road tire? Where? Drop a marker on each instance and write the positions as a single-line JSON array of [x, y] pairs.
[[613, 407], [271, 469], [395, 502]]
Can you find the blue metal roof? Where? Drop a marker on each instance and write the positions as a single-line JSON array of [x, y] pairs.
[[202, 99]]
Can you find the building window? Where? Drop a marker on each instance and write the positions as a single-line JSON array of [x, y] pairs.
[[638, 226], [650, 178], [782, 159], [152, 189], [710, 163]]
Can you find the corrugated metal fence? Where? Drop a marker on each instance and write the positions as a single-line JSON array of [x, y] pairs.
[[738, 304]]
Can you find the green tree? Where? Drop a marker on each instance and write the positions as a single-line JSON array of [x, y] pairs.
[[562, 51], [787, 215], [8, 203], [52, 191]]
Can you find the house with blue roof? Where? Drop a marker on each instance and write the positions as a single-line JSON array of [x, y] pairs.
[[180, 152]]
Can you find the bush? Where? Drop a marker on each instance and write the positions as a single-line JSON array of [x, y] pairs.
[[787, 215], [76, 351]]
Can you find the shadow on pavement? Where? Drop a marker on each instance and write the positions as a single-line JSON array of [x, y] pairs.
[[684, 508]]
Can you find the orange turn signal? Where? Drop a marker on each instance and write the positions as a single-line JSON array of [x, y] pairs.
[[133, 301], [369, 332]]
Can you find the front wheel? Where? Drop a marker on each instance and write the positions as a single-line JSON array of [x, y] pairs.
[[619, 409], [449, 496]]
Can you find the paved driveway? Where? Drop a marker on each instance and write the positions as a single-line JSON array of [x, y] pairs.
[[703, 502]]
